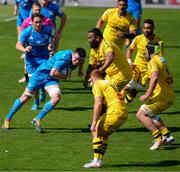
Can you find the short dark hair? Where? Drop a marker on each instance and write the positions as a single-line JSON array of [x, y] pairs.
[[37, 15], [96, 31], [36, 4], [81, 52], [149, 21], [123, 0]]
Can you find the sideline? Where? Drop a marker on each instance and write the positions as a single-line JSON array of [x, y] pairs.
[[10, 19]]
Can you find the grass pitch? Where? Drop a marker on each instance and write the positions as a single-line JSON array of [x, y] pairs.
[[66, 145]]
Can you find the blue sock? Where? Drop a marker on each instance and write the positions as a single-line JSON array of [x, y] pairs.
[[16, 106], [36, 102], [47, 108]]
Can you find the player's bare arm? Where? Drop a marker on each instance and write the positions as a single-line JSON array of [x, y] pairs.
[[108, 61], [152, 85]]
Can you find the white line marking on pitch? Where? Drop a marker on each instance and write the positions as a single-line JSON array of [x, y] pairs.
[[10, 19]]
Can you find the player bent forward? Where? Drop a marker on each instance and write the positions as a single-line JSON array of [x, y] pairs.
[[158, 97], [104, 124], [47, 75]]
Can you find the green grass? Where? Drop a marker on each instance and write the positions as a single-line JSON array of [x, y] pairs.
[[66, 145]]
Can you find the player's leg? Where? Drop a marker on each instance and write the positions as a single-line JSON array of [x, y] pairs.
[[106, 125], [145, 116], [42, 94], [35, 106], [16, 106], [139, 80], [30, 70], [162, 104], [54, 93]]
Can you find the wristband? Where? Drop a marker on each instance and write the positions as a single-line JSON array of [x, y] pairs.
[[130, 61]]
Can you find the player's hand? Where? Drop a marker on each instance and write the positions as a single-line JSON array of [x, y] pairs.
[[50, 47], [28, 49], [144, 98], [93, 127], [133, 67]]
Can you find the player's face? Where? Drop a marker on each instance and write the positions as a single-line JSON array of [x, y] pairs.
[[148, 29], [36, 9], [76, 59], [122, 5], [93, 40], [37, 23]]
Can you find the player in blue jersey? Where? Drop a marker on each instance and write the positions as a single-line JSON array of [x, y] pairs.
[[22, 9], [135, 9], [47, 75], [35, 41], [52, 10]]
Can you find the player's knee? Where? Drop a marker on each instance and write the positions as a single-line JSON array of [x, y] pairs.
[[53, 91], [55, 99], [135, 85], [26, 96], [149, 112]]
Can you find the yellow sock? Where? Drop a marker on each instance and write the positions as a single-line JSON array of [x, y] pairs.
[[97, 147], [165, 132], [157, 135], [104, 147]]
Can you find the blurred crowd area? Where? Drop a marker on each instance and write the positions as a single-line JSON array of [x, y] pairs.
[[110, 3]]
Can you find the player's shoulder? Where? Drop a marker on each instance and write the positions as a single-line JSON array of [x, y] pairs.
[[139, 38], [160, 59], [28, 29], [111, 10], [47, 28]]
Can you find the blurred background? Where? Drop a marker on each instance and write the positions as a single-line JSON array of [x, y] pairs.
[[109, 3]]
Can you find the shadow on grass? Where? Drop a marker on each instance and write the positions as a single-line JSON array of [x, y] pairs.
[[172, 146], [172, 113], [143, 164], [142, 129], [76, 88], [75, 92], [172, 46], [68, 130]]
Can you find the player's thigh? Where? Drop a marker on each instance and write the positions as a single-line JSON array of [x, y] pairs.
[[30, 69], [110, 122], [36, 82], [159, 103], [143, 77], [53, 89]]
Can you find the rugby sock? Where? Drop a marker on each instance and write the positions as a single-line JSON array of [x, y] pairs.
[[104, 147], [27, 77], [165, 132], [47, 108], [131, 95], [16, 106], [97, 148], [157, 135], [36, 102]]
